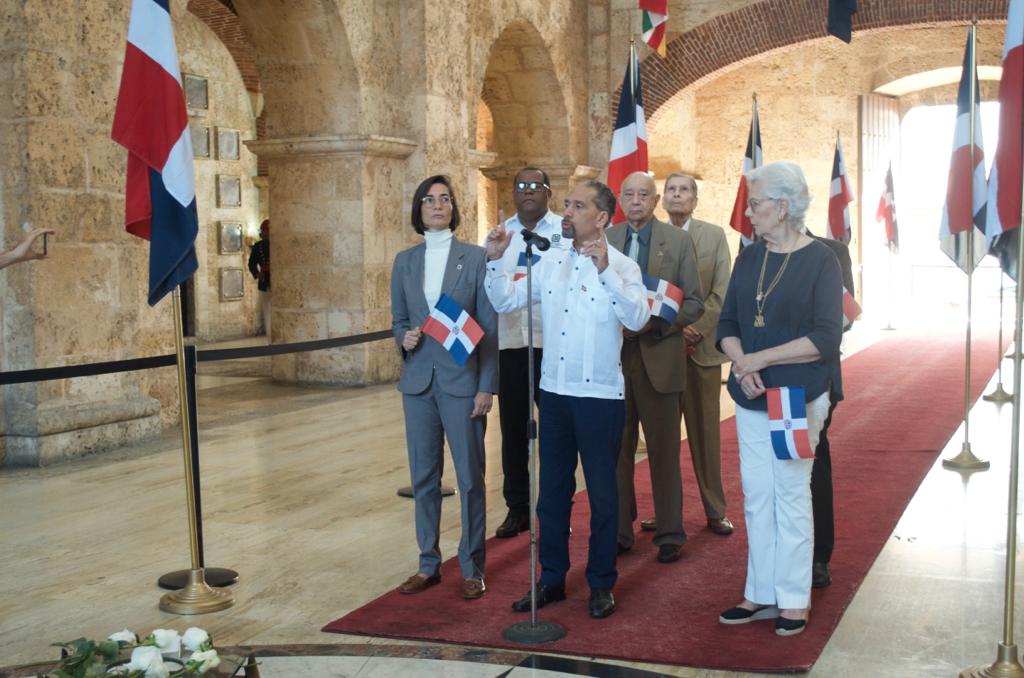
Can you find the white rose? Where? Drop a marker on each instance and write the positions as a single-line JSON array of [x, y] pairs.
[[168, 640], [147, 658], [204, 660], [124, 636], [194, 638]]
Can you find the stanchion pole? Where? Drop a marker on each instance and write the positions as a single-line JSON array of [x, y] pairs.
[[966, 458], [999, 395], [215, 576], [197, 597]]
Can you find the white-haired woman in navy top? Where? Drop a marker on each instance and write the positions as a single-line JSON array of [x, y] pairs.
[[781, 325]]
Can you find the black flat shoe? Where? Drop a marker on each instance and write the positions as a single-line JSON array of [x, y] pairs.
[[515, 522], [669, 553], [545, 594], [602, 603], [820, 575], [789, 627], [741, 615]]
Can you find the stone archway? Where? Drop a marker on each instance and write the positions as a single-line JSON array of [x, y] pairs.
[[330, 184], [729, 40], [521, 119]]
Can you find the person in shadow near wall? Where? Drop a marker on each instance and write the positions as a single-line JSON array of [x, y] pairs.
[[259, 267], [440, 398]]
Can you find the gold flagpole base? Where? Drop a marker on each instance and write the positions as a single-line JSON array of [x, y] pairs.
[[965, 460], [197, 597], [998, 396], [1005, 666]]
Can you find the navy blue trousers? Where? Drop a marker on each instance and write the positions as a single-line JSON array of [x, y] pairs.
[[592, 429]]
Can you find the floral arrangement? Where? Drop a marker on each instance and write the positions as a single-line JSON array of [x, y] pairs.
[[159, 655]]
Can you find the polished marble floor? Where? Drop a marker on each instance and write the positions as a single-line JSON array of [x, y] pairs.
[[299, 497]]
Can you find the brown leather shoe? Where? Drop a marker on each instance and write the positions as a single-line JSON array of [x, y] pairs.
[[473, 589], [721, 525], [418, 583], [649, 525]]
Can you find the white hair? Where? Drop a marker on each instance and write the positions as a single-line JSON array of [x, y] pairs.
[[784, 180]]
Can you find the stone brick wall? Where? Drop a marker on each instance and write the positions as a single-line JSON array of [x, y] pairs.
[[203, 54]]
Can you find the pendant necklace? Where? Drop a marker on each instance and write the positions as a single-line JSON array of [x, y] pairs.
[[762, 293]]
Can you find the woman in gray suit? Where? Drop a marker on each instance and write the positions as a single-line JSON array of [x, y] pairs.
[[439, 397]]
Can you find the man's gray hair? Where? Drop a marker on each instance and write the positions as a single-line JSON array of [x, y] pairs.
[[683, 175], [784, 180], [605, 199]]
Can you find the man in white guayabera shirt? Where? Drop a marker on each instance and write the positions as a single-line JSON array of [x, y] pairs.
[[531, 192], [587, 293]]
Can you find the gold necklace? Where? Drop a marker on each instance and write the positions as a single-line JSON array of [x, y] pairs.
[[762, 294]]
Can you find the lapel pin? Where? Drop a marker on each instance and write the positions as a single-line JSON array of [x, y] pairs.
[[459, 267]]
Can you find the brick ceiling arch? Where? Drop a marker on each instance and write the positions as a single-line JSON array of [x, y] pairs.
[[221, 17], [774, 24]]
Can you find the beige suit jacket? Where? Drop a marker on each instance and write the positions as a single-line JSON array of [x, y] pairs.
[[714, 266], [672, 258]]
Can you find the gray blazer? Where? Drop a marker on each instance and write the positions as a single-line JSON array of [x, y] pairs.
[[464, 282]]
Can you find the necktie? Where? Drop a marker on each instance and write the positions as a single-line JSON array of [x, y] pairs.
[[633, 249]]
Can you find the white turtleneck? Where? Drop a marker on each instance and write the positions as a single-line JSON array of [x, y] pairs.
[[439, 244]]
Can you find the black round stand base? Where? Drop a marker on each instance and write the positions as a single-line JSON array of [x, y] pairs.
[[407, 491], [215, 576], [530, 634]]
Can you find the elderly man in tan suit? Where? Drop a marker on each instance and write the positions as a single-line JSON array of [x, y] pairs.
[[700, 401], [654, 365]]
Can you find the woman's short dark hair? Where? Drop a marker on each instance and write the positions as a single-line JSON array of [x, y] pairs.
[[421, 192]]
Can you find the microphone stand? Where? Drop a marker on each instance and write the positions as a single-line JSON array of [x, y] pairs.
[[532, 632]]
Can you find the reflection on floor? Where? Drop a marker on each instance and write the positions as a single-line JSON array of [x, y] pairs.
[[299, 496]]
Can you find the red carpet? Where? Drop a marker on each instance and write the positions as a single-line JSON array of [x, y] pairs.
[[904, 400]]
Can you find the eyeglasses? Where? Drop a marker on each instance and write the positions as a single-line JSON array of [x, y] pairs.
[[754, 203], [429, 199], [523, 186]]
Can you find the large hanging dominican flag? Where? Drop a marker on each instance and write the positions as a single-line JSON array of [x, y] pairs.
[[151, 122], [1004, 183], [629, 140], [887, 212], [787, 422], [663, 298], [655, 17], [963, 215], [453, 328], [839, 199], [752, 160]]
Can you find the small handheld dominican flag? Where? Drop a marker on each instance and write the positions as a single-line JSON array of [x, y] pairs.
[[521, 265], [453, 328], [787, 422], [663, 297]]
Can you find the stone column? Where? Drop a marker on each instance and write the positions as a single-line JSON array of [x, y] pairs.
[[339, 214]]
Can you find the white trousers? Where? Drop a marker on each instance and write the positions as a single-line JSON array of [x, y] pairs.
[[777, 508]]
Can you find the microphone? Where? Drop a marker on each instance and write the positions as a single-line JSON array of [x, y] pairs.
[[538, 241]]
